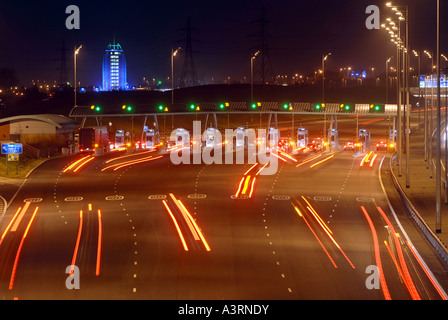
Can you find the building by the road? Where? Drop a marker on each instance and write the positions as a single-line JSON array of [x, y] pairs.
[[41, 131], [114, 68]]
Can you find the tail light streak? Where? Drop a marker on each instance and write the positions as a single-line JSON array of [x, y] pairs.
[[406, 276], [377, 255], [16, 260]]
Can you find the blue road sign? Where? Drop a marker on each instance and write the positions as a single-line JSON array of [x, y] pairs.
[[8, 148]]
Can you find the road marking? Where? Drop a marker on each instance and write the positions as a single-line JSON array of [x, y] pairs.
[[32, 200], [281, 197], [197, 196], [365, 199], [114, 198], [322, 198], [240, 197], [68, 199], [157, 197]]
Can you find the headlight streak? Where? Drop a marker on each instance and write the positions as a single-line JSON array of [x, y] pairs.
[[287, 156], [20, 217], [121, 165], [83, 164], [309, 160], [377, 255], [9, 225], [325, 228], [204, 241], [182, 239], [324, 160], [75, 163], [317, 238], [137, 162], [246, 185], [252, 187], [129, 155], [239, 188], [184, 213], [16, 260]]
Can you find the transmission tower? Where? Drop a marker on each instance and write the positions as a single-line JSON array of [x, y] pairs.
[[63, 77], [263, 66], [189, 76]]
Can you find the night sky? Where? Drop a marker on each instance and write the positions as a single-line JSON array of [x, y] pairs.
[[225, 34]]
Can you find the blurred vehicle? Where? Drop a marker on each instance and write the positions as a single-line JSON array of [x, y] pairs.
[[349, 146], [315, 145], [284, 145], [381, 146]]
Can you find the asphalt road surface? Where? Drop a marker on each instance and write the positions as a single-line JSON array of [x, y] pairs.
[[320, 228]]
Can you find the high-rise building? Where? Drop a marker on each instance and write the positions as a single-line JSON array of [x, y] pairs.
[[114, 68]]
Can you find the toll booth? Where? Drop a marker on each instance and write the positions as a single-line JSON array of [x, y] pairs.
[[150, 139], [393, 136], [364, 139], [272, 139], [211, 137], [119, 139], [333, 140], [239, 137], [182, 138], [302, 138]]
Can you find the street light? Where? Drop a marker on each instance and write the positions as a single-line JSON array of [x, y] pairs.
[[173, 54], [75, 54], [324, 58], [252, 76], [387, 79], [429, 134]]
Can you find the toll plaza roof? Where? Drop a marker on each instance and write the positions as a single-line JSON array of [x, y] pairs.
[[59, 121], [235, 107]]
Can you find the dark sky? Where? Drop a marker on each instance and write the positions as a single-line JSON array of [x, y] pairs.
[[225, 34]]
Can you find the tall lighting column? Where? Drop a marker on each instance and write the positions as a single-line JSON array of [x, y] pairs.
[[438, 132], [173, 54], [252, 76], [324, 58], [74, 55]]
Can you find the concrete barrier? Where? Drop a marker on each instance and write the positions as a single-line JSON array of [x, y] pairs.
[[413, 212]]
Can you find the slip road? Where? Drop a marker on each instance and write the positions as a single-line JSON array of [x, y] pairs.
[[232, 309]]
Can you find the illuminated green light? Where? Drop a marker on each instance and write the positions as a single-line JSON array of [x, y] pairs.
[[160, 108], [222, 106], [192, 107], [97, 109]]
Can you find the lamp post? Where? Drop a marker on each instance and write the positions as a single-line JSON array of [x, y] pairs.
[[387, 79], [252, 76], [438, 164], [173, 54], [324, 58], [74, 55], [430, 117]]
